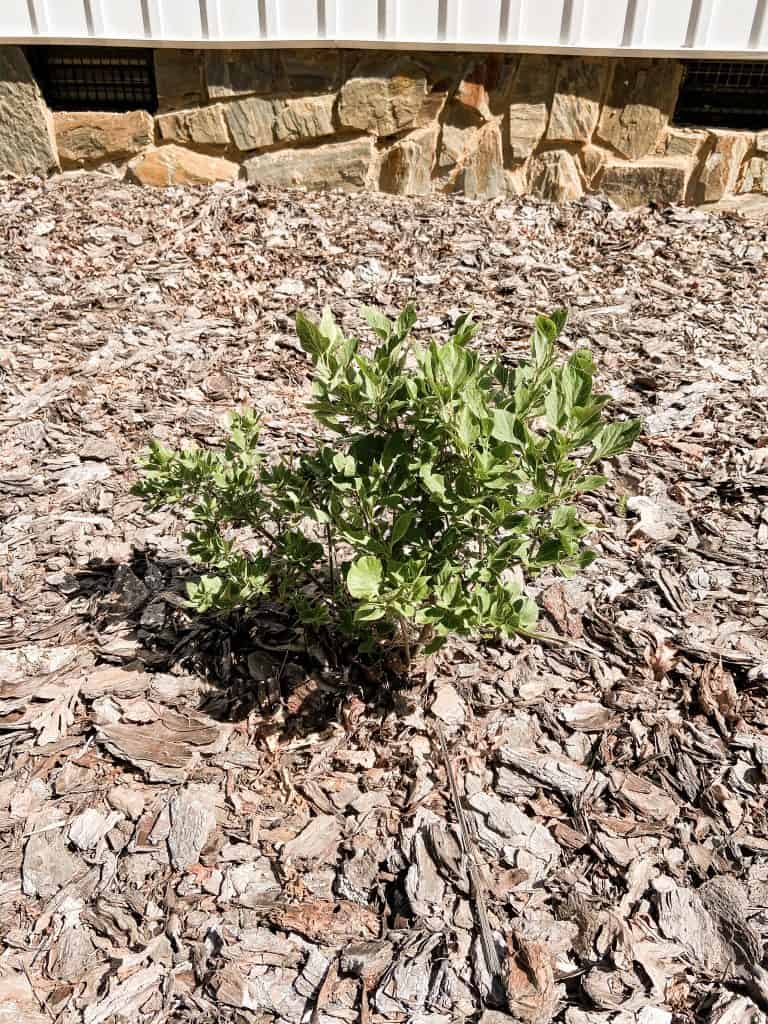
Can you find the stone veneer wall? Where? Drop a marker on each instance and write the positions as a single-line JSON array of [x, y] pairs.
[[405, 123]]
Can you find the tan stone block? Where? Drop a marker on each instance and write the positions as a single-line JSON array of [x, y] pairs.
[[179, 79], [641, 99], [576, 103], [455, 143], [482, 174], [344, 165], [754, 176], [305, 117], [554, 174], [204, 126], [484, 86], [720, 173], [660, 180], [85, 138], [516, 181], [26, 132], [406, 169], [761, 143], [685, 141], [593, 159], [386, 95], [531, 96], [251, 122], [474, 96], [174, 165]]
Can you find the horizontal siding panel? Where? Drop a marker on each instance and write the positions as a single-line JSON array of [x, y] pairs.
[[731, 24], [299, 19], [123, 19], [479, 21], [357, 19], [603, 23], [541, 22], [667, 24], [180, 20], [15, 19], [239, 20], [727, 27], [417, 21], [66, 18]]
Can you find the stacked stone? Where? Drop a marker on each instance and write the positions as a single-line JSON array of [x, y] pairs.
[[404, 123]]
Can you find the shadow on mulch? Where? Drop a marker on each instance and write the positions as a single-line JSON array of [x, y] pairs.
[[260, 661]]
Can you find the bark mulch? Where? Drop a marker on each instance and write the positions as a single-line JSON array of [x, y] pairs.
[[211, 821]]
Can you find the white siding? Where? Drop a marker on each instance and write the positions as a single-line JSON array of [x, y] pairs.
[[540, 22], [357, 19], [695, 27]]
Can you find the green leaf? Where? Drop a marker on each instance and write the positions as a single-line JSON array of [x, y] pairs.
[[582, 361], [559, 318], [364, 578], [401, 526], [571, 384], [528, 614], [434, 645], [310, 337], [452, 364], [546, 327], [504, 426], [552, 406], [590, 483], [329, 329], [615, 438], [464, 329], [466, 427], [379, 324], [404, 323], [367, 612], [344, 464], [434, 482]]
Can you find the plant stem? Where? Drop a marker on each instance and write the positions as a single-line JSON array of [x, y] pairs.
[[262, 531], [331, 565], [425, 635], [406, 643]]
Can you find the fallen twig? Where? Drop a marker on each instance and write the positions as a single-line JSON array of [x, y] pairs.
[[478, 887]]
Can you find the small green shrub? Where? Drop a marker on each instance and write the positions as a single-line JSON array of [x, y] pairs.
[[447, 481]]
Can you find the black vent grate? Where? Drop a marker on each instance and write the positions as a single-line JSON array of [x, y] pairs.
[[724, 94], [95, 78]]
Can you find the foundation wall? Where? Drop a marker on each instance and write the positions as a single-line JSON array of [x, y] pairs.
[[409, 123]]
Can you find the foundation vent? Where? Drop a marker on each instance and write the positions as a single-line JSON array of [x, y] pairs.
[[95, 78], [724, 94]]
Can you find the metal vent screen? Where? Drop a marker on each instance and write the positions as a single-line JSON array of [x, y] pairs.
[[724, 94], [95, 78]]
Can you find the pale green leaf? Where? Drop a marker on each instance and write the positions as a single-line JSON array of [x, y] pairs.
[[364, 578], [434, 482], [376, 320], [615, 438], [504, 426]]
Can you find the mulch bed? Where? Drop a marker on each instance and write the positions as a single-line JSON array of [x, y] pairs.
[[213, 821]]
